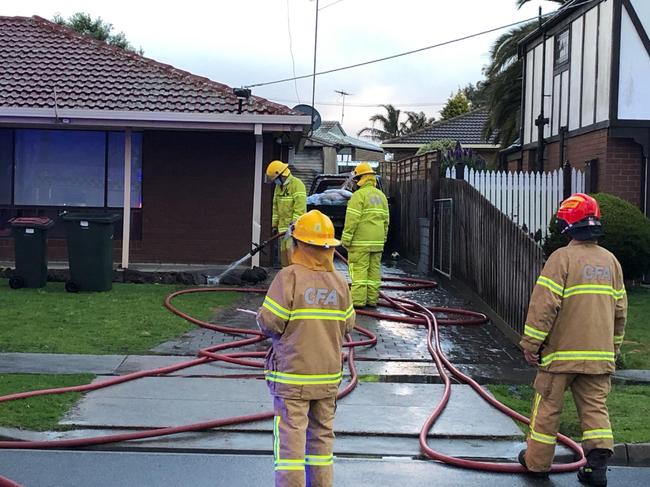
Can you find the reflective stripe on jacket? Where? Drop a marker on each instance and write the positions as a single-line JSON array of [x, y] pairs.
[[366, 220], [576, 316], [307, 314], [289, 202]]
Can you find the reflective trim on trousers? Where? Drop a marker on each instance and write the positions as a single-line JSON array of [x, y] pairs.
[[283, 463], [319, 460], [598, 434]]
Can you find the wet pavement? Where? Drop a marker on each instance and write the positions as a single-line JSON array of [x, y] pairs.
[[128, 469], [372, 409], [479, 350]]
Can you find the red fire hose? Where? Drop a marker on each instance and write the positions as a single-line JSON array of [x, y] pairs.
[[410, 312]]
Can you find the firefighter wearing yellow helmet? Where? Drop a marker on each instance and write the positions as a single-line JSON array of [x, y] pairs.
[[307, 313], [289, 202], [364, 235]]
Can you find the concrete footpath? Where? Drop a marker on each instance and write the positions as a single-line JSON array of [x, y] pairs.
[[386, 370], [109, 469]]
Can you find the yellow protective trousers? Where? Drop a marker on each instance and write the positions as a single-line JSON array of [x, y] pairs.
[[590, 396], [286, 248], [303, 442], [365, 272]]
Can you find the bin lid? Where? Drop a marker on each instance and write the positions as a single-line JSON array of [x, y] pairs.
[[32, 222], [91, 217]]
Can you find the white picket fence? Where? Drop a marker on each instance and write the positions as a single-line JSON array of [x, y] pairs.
[[528, 198]]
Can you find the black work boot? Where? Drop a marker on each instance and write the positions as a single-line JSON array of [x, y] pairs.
[[522, 460], [595, 473]]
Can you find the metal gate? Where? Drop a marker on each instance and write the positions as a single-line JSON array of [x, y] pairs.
[[442, 235]]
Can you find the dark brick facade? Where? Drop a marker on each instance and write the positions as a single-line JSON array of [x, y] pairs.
[[620, 161], [197, 199]]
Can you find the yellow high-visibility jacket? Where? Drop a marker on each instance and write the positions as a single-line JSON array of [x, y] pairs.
[[366, 219], [307, 312], [289, 202], [576, 317]]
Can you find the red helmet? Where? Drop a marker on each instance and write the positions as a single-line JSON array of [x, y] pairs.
[[579, 210]]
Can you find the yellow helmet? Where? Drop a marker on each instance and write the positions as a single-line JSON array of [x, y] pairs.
[[363, 169], [315, 228], [277, 168]]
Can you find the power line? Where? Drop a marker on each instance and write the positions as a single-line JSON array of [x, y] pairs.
[[313, 81], [414, 51], [330, 4], [293, 61], [369, 105]]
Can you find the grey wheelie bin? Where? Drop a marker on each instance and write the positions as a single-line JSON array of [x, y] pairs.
[[90, 250], [30, 243]]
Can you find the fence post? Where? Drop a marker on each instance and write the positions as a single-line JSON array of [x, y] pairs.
[[566, 179], [460, 170], [591, 176]]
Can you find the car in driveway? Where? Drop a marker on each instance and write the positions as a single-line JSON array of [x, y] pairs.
[[336, 208]]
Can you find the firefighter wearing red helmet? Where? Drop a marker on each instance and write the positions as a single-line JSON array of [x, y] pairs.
[[573, 332]]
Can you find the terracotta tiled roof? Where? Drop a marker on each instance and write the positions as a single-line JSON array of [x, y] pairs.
[[466, 129], [38, 57]]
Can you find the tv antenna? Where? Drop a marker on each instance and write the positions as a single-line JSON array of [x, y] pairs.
[[343, 94]]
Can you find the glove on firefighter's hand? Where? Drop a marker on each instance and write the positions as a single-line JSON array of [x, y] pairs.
[[274, 231], [531, 358]]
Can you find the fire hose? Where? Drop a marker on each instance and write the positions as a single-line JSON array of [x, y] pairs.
[[410, 312]]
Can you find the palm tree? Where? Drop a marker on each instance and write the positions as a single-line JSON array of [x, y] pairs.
[[390, 126], [503, 82], [521, 3], [415, 121]]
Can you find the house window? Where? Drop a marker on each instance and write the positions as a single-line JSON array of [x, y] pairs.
[[59, 168], [6, 165], [115, 186], [562, 50], [43, 172]]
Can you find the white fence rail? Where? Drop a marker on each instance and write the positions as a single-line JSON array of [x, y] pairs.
[[528, 198]]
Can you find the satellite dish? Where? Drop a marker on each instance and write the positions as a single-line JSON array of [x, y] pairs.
[[309, 110]]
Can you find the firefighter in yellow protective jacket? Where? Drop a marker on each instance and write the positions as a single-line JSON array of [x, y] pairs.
[[289, 202], [364, 236], [573, 332], [307, 312]]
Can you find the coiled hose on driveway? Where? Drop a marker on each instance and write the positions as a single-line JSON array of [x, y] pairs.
[[409, 311]]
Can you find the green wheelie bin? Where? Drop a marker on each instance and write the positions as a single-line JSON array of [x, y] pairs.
[[90, 250], [30, 243]]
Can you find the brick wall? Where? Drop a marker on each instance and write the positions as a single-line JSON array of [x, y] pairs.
[[621, 175], [619, 161], [197, 199]]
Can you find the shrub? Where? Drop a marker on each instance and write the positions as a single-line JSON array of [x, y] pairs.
[[627, 235], [442, 145]]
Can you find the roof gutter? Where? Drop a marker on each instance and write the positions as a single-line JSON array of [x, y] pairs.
[[158, 120]]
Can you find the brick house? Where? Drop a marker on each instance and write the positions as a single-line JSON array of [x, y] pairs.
[[586, 96], [466, 129], [72, 110]]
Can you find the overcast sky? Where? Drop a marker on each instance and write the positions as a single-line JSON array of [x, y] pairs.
[[241, 42]]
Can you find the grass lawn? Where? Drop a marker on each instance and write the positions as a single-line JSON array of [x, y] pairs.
[[38, 413], [129, 319], [635, 352], [629, 410]]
